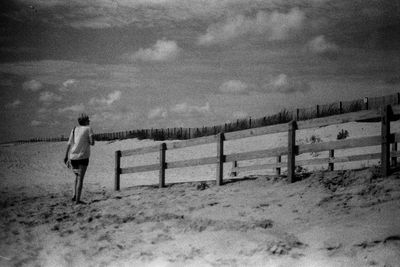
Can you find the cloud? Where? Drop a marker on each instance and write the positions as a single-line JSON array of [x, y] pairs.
[[184, 109], [110, 99], [68, 84], [74, 108], [320, 46], [283, 84], [158, 113], [162, 50], [32, 85], [36, 123], [49, 97], [233, 87], [14, 104], [275, 26]]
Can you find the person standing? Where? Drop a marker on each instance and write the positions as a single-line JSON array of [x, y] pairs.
[[78, 153]]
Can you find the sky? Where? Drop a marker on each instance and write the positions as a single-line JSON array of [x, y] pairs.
[[133, 64]]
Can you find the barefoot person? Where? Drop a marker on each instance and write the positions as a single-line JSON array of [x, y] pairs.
[[78, 150]]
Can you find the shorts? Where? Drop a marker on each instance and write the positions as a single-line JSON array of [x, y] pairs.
[[77, 162]]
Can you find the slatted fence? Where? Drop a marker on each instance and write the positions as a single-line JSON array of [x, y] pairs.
[[385, 114], [284, 116]]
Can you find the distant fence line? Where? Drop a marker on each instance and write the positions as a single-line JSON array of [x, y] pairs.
[[283, 116]]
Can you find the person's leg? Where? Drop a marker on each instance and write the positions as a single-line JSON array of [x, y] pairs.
[[81, 175], [75, 187]]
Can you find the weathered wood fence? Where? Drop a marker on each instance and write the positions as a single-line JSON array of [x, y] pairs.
[[317, 111], [286, 115], [385, 114]]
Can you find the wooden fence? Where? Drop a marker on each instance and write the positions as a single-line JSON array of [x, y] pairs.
[[286, 115], [385, 114], [317, 111]]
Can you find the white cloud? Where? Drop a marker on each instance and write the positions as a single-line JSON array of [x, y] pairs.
[[162, 50], [32, 85], [74, 108], [49, 97], [185, 109], [14, 104], [42, 111], [70, 83], [319, 45], [275, 25], [283, 84], [36, 123], [158, 113], [110, 99], [233, 87]]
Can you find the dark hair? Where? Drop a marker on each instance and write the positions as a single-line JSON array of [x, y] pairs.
[[83, 119]]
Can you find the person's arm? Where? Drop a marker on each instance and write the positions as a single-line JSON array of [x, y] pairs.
[[71, 136], [91, 138], [66, 154]]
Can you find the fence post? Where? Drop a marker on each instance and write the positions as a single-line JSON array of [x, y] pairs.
[[366, 103], [220, 158], [117, 170], [234, 173], [340, 107], [385, 137], [163, 148], [297, 114], [331, 166], [318, 111], [394, 158], [278, 169], [292, 151]]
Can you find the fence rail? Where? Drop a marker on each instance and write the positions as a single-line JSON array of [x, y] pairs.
[[385, 115]]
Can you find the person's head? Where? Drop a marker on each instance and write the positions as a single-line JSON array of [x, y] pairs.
[[83, 119]]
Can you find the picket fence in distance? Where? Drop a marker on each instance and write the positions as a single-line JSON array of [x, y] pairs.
[[385, 115], [284, 116]]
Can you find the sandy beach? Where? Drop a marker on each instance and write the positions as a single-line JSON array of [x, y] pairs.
[[339, 218]]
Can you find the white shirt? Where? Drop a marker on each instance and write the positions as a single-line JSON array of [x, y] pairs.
[[80, 142]]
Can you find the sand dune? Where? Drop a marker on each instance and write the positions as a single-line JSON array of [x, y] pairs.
[[340, 218]]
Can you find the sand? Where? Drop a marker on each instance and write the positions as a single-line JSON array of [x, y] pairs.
[[339, 218]]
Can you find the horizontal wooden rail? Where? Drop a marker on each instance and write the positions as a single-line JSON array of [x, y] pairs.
[[396, 137], [340, 144], [318, 161], [140, 150], [339, 119], [259, 167], [192, 142], [145, 168], [256, 154], [170, 146], [339, 159], [256, 132], [191, 162]]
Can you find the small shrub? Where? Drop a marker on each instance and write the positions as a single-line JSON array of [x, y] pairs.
[[343, 134], [313, 140]]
